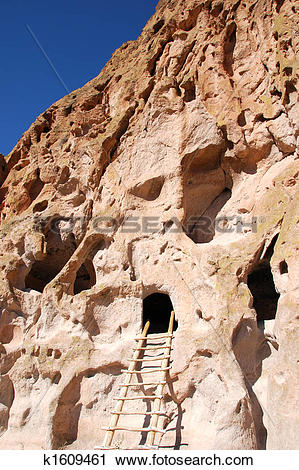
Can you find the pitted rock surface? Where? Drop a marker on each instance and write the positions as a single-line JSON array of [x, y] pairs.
[[175, 170]]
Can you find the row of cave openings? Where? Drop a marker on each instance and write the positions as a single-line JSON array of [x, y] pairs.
[[158, 306]]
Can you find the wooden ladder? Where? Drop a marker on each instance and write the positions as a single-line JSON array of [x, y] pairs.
[[143, 346]]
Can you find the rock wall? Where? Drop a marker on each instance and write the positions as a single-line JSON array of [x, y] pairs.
[[173, 171]]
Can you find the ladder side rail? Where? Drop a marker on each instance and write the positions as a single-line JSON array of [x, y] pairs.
[[160, 388], [124, 390]]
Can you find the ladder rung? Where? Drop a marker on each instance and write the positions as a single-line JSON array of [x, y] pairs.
[[149, 348], [150, 359], [139, 384], [125, 428], [140, 397], [145, 371], [139, 413], [166, 335]]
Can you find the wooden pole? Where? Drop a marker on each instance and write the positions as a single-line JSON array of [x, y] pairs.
[[124, 390]]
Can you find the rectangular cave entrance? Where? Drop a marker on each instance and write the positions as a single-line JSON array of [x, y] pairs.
[[157, 308]]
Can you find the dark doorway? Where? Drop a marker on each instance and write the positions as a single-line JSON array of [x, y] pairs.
[[157, 308], [261, 284]]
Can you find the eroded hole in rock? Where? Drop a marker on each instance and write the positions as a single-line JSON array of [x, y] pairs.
[[228, 48], [157, 308], [35, 187], [68, 110], [261, 284], [59, 249], [242, 119], [190, 92], [279, 4], [205, 193], [158, 25], [56, 378], [203, 229], [289, 90], [40, 206], [57, 354], [150, 189], [283, 267], [86, 277]]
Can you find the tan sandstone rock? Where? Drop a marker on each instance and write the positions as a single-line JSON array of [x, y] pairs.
[[195, 123]]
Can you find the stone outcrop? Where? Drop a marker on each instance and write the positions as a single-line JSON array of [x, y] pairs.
[[173, 171]]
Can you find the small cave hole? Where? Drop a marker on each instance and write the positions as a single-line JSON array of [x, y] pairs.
[[68, 110], [190, 92], [35, 187], [279, 4], [276, 92], [283, 267], [158, 26], [40, 206], [57, 354], [58, 253], [203, 228], [287, 71], [289, 89], [261, 285], [86, 277], [56, 378], [39, 276], [157, 308], [241, 119]]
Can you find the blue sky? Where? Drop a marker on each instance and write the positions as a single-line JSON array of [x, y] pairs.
[[79, 37]]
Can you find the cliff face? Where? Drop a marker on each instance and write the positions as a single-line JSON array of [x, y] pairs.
[[194, 123]]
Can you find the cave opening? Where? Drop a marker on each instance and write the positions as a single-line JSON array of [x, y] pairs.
[[59, 248], [206, 190], [85, 278], [39, 276], [261, 284], [157, 308]]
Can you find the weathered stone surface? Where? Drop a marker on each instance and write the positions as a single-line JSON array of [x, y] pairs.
[[196, 120]]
